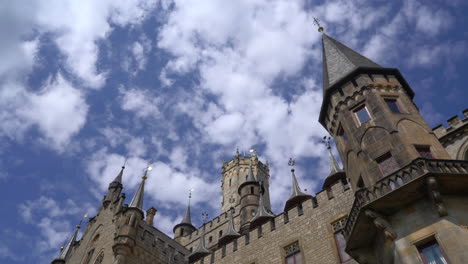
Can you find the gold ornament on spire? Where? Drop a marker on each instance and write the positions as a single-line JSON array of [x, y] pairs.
[[317, 23]]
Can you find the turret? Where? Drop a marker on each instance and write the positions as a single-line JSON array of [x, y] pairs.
[[249, 192], [185, 227], [262, 215], [65, 252], [231, 232], [234, 173], [368, 109], [337, 174], [201, 250], [114, 190], [129, 221], [297, 196]]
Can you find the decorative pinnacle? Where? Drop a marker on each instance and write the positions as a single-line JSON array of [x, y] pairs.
[[327, 140], [204, 217], [125, 163], [317, 23], [291, 163], [149, 168], [81, 220]]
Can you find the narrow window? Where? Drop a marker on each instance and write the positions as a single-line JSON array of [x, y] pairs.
[[252, 212], [341, 133], [362, 114], [393, 105], [247, 238], [182, 231], [223, 251], [387, 164], [212, 257], [220, 233], [329, 193], [424, 151], [272, 224], [234, 245], [431, 253], [360, 183], [230, 182], [340, 240], [259, 232], [293, 254], [251, 190], [210, 239], [300, 210]]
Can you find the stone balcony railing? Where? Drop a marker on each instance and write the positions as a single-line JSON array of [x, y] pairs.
[[414, 170]]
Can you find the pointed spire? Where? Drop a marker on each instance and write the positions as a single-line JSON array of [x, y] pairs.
[[201, 249], [187, 220], [250, 176], [137, 200], [334, 167], [231, 232], [118, 180], [297, 196], [68, 247], [340, 60], [262, 214]]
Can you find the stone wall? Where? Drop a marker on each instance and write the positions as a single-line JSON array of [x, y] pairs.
[[454, 137], [310, 226]]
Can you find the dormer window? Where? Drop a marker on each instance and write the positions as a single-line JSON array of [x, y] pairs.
[[362, 114]]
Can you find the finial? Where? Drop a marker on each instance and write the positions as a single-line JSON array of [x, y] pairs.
[[61, 248], [190, 195], [327, 141], [317, 23], [254, 152], [291, 163], [125, 163], [149, 168], [81, 220], [204, 217]]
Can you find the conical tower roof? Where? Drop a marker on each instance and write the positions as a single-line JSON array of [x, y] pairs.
[[67, 249], [297, 196], [187, 220], [137, 200], [336, 172], [250, 178], [118, 180], [231, 232], [262, 215], [339, 61], [201, 250]]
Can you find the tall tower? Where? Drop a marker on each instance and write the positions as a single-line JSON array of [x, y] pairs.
[[369, 111], [234, 173], [410, 199]]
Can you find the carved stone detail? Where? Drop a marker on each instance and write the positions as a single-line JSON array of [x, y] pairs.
[[382, 224], [433, 190]]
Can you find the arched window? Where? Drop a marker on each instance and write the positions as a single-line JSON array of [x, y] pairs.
[[100, 258], [88, 256], [182, 231]]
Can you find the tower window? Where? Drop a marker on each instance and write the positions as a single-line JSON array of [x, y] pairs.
[[293, 254], [182, 231], [341, 133], [220, 233], [230, 182], [432, 253], [424, 151], [393, 105], [387, 164], [210, 239], [362, 114], [251, 190], [360, 183]]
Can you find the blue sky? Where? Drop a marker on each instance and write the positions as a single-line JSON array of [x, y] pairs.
[[86, 84]]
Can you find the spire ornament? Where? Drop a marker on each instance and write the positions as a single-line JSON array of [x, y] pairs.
[[65, 251], [317, 23], [187, 220], [137, 200], [334, 167]]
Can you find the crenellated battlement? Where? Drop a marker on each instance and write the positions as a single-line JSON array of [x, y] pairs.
[[316, 206], [323, 208], [454, 123]]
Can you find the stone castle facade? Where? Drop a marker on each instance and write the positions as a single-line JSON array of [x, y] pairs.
[[401, 197]]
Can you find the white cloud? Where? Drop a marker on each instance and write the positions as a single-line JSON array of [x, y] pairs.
[[58, 110], [140, 102]]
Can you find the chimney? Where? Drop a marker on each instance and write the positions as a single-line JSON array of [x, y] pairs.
[[150, 213]]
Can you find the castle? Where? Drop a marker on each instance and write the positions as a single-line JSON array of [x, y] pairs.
[[401, 197]]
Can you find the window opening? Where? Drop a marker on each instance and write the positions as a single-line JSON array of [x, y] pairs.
[[362, 114], [340, 240], [293, 254], [431, 253], [387, 164], [393, 105], [341, 133], [424, 151]]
